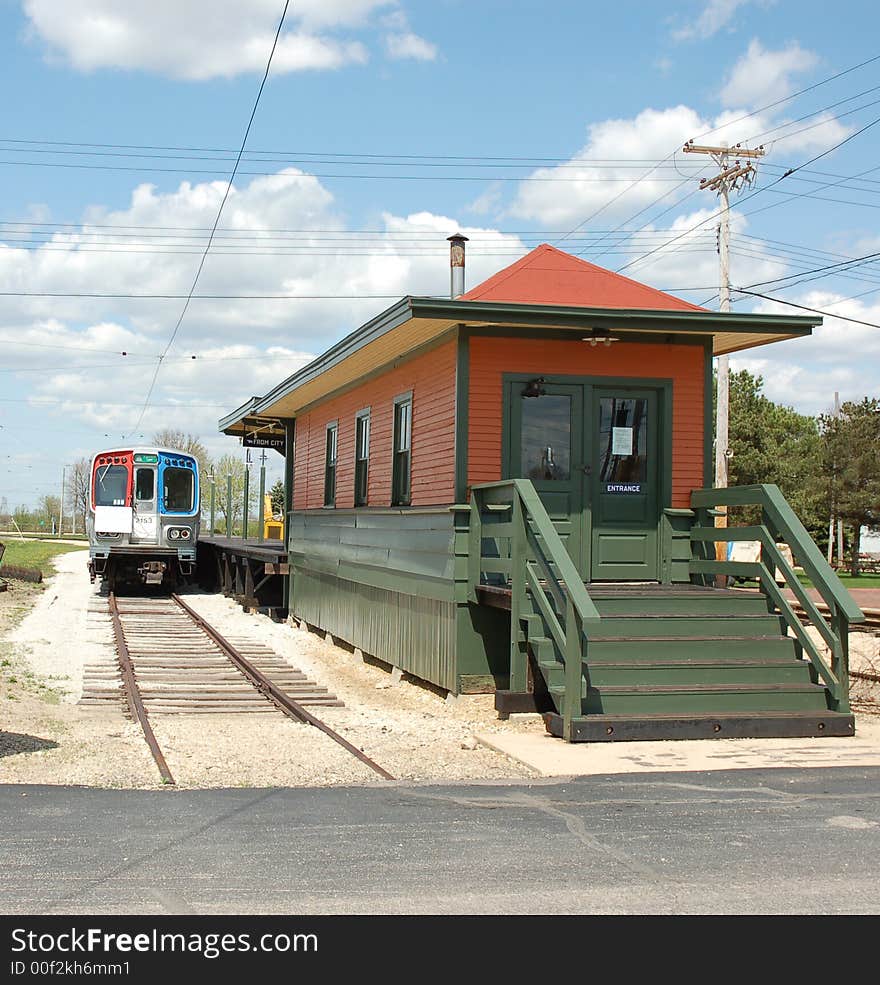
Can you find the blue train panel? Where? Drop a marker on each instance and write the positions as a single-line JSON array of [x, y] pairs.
[[178, 485]]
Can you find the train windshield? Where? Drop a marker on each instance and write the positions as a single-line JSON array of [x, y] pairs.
[[177, 496], [111, 485]]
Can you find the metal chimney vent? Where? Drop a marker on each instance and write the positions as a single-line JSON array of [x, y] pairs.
[[456, 265]]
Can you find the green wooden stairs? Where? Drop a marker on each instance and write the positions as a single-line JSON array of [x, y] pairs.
[[612, 662], [684, 661]]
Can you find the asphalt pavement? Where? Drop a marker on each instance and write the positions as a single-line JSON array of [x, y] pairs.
[[794, 841]]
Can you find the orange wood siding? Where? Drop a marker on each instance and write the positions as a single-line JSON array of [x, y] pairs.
[[683, 364], [431, 378]]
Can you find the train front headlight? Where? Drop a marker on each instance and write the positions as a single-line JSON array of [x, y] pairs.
[[173, 533]]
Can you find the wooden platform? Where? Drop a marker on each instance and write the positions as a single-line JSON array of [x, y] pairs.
[[252, 571]]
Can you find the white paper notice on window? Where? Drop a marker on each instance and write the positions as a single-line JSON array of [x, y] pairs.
[[621, 441]]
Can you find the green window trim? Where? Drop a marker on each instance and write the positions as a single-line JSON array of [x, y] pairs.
[[331, 454], [361, 457], [401, 452]]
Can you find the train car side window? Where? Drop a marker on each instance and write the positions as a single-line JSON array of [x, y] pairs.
[[177, 495], [145, 484], [111, 485]]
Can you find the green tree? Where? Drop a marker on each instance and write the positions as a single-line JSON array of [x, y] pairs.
[[229, 465], [774, 443], [76, 493], [48, 509], [191, 444], [277, 494], [852, 467]]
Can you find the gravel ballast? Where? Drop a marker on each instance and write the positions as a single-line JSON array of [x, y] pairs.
[[49, 633], [410, 730]]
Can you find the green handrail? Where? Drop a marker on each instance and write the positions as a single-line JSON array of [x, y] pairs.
[[536, 563], [780, 523]]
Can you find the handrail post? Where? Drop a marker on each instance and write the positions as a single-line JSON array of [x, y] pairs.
[[475, 547], [840, 657], [518, 643], [229, 506], [571, 705]]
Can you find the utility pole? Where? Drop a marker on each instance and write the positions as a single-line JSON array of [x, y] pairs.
[[730, 176], [61, 508]]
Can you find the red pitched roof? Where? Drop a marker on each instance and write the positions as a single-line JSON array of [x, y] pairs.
[[549, 276]]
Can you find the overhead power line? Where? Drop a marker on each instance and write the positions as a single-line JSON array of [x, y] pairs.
[[804, 307]]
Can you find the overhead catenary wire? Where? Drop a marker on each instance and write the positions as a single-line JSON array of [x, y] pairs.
[[217, 219]]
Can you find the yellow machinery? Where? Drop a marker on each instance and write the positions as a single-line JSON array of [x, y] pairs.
[[273, 523]]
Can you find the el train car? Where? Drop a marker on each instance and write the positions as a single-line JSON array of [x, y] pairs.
[[143, 523]]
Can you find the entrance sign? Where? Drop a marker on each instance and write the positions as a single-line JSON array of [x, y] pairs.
[[624, 487]]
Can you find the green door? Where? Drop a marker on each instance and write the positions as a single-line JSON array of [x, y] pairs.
[[547, 446], [624, 484]]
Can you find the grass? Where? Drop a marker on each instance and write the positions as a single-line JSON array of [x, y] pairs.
[[34, 554], [863, 581]]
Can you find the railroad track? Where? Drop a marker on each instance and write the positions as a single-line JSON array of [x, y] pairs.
[[169, 660]]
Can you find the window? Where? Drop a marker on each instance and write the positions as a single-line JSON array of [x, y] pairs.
[[361, 457], [623, 439], [545, 437], [330, 466], [111, 485], [179, 486], [144, 484], [401, 491]]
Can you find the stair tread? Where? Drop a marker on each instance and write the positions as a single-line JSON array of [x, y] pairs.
[[671, 662], [615, 616], [694, 639], [668, 688], [710, 716]]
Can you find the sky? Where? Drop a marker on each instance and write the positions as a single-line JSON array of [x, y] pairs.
[[383, 127]]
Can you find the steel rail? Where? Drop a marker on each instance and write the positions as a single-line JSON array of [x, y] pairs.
[[133, 693], [282, 701]]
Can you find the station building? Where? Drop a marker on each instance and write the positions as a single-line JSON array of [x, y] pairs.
[[595, 391]]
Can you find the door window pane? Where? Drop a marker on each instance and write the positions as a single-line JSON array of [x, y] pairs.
[[545, 437], [623, 439], [145, 483]]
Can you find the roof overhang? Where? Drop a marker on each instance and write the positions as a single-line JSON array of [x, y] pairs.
[[414, 322]]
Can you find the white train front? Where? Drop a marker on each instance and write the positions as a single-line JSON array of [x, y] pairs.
[[143, 521]]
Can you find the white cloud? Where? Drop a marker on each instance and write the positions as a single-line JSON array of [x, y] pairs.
[[716, 15], [243, 347], [200, 39], [410, 45], [761, 76], [567, 195], [691, 260], [839, 356]]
